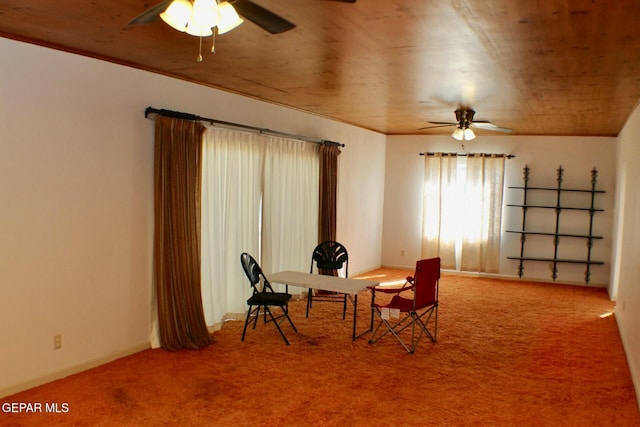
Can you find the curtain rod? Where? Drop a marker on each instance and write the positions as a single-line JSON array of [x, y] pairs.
[[508, 156], [188, 116]]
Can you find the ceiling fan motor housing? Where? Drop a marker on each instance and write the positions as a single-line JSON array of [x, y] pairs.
[[464, 117]]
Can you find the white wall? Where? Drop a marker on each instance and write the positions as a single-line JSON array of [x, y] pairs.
[[627, 273], [360, 202], [577, 155], [76, 202]]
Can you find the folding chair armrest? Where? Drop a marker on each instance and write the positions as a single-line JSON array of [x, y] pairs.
[[385, 290], [391, 290]]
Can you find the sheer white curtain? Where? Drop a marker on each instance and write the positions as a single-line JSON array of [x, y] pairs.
[[231, 197], [440, 213], [483, 200], [462, 211], [259, 195], [289, 205]]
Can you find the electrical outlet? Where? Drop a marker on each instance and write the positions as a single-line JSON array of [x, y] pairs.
[[57, 342]]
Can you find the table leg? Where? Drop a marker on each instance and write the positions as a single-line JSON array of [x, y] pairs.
[[373, 300], [355, 313]]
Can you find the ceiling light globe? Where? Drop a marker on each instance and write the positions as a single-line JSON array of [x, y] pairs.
[[458, 134], [178, 14], [229, 18], [196, 30], [469, 134], [205, 16]]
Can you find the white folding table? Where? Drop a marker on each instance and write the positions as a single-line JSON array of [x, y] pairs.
[[350, 287]]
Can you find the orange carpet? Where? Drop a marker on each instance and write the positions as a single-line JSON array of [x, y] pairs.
[[508, 354]]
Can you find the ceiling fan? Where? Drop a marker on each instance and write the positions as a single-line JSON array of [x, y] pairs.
[[464, 125], [249, 10]]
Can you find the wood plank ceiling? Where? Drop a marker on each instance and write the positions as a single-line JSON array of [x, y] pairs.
[[545, 67]]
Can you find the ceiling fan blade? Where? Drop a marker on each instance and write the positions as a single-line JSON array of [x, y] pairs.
[[150, 15], [438, 125], [344, 1], [262, 17], [486, 125]]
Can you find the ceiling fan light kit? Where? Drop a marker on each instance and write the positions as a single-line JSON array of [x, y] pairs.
[[463, 134], [200, 17], [203, 18]]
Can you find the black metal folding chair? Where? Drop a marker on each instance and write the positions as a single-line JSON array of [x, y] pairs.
[[264, 297], [330, 258]]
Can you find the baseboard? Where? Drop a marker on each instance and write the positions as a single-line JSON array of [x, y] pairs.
[[505, 277], [634, 374], [363, 271], [399, 267], [16, 388]]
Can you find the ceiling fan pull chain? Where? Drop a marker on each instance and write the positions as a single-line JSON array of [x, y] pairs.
[[200, 51], [213, 40]]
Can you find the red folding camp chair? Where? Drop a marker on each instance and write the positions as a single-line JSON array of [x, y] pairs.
[[414, 305]]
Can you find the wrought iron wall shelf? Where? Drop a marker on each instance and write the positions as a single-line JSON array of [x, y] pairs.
[[557, 234], [568, 208]]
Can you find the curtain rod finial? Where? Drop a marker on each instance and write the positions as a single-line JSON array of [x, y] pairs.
[[328, 142]]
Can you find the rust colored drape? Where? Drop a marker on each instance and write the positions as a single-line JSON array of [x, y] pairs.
[[328, 192], [178, 168]]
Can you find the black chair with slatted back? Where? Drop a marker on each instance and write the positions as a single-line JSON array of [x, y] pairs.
[[264, 297], [330, 258]]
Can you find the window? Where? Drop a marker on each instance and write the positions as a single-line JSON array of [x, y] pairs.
[[462, 212]]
